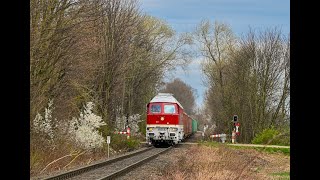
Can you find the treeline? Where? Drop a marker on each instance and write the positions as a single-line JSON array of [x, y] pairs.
[[103, 51], [247, 76], [94, 65]]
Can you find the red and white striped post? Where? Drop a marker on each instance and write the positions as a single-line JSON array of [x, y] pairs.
[[128, 133], [233, 137], [221, 136], [237, 128], [124, 132], [215, 135]]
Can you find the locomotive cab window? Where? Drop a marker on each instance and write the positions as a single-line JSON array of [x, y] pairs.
[[155, 108], [169, 108]]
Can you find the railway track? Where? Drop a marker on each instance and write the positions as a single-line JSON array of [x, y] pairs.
[[112, 168]]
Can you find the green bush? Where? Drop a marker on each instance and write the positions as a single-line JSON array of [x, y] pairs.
[[120, 142], [132, 143], [273, 137]]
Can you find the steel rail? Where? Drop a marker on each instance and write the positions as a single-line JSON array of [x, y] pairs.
[[132, 166], [81, 170]]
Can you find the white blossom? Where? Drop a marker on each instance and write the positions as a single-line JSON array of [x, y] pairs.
[[83, 130], [45, 125]]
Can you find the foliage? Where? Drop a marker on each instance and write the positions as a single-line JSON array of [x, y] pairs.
[[133, 143], [271, 136], [120, 142]]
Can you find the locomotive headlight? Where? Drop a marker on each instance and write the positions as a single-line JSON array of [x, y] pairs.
[[173, 129]]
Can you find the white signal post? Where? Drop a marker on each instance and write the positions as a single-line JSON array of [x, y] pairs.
[[233, 137], [108, 142], [128, 133]]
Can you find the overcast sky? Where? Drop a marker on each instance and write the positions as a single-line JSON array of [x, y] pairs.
[[184, 15]]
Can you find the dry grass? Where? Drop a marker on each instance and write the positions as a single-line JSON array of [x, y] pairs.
[[46, 158], [221, 162]]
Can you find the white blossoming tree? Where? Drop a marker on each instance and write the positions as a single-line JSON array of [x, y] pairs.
[[45, 125], [84, 130]]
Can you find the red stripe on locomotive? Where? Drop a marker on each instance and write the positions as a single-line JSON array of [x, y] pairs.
[[161, 117]]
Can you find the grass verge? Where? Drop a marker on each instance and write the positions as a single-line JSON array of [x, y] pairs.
[[281, 175], [285, 151]]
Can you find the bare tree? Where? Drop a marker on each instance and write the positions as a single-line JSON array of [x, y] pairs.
[[184, 93], [250, 79], [216, 45]]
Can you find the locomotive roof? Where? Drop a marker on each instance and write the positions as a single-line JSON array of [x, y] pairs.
[[165, 97]]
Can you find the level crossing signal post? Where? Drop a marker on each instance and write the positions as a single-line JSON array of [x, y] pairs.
[[235, 129], [108, 142]]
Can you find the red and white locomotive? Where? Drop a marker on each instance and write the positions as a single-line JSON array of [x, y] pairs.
[[166, 121]]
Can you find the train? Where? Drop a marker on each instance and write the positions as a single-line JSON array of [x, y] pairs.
[[167, 122]]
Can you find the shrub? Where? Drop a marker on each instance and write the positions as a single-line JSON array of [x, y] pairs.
[[133, 143], [120, 142], [271, 136]]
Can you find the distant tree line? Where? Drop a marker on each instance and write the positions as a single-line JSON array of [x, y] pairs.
[[247, 76]]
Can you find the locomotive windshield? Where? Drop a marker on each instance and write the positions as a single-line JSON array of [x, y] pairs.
[[155, 108], [169, 108]]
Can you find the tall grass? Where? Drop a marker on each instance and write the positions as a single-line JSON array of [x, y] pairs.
[[213, 162]]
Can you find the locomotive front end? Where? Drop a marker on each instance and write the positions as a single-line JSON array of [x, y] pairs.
[[163, 135]]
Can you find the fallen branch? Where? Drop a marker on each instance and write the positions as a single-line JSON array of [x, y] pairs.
[[74, 159], [72, 154]]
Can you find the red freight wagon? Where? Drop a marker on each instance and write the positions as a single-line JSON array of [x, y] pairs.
[[166, 120]]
